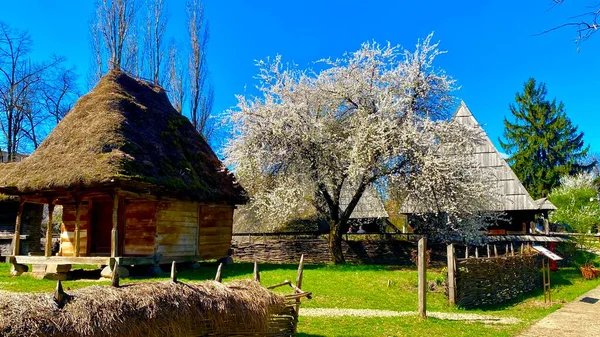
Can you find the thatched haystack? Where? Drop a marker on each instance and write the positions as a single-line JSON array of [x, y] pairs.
[[238, 308]]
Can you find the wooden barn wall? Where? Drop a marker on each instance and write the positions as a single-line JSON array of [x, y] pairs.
[[176, 228], [140, 228], [216, 222], [67, 230]]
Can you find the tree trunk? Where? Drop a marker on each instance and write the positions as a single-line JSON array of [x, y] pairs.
[[335, 242]]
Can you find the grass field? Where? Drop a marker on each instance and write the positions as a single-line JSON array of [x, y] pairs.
[[364, 287]]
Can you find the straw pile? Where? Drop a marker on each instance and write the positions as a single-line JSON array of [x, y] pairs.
[[144, 309]]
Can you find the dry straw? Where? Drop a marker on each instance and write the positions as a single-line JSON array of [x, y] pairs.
[[242, 308]]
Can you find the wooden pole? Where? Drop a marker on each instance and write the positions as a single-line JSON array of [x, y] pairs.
[[299, 280], [466, 252], [173, 272], [114, 248], [219, 276], [451, 277], [256, 272], [521, 248], [17, 237], [476, 252], [506, 251], [488, 251], [544, 277], [77, 224], [422, 271], [512, 249], [48, 251], [495, 251]]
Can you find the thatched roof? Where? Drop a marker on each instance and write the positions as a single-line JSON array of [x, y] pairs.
[[143, 309], [125, 133], [512, 193], [369, 206]]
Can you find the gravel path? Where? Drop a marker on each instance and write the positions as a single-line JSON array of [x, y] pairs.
[[335, 312]]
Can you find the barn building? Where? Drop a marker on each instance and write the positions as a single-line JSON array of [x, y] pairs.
[[138, 184]]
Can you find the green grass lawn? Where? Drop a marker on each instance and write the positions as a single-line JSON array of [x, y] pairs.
[[364, 287]]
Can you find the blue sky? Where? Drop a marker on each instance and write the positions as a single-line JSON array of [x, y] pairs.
[[490, 44]]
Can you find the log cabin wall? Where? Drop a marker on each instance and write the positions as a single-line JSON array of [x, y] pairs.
[[67, 230], [177, 228], [216, 222], [140, 227]]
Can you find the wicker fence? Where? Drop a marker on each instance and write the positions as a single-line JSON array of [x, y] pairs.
[[492, 280], [392, 249]]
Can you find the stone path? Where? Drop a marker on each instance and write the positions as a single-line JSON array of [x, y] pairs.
[[333, 312], [578, 318]]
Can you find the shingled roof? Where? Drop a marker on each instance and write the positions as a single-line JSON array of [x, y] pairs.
[[369, 205], [125, 133], [513, 196]]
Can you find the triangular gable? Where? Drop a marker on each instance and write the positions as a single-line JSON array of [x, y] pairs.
[[512, 193]]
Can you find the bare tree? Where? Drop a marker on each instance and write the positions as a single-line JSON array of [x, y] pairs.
[[154, 40], [20, 79], [199, 35], [59, 93], [586, 24], [175, 78], [111, 34]]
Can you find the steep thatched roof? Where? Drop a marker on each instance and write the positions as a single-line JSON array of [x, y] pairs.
[[512, 193], [125, 133]]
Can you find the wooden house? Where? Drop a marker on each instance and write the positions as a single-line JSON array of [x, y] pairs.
[[138, 184], [515, 201]]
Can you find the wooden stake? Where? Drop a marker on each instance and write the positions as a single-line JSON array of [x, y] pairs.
[[476, 252], [114, 278], [466, 252], [422, 271], [512, 249], [77, 224], [495, 251], [114, 247], [451, 277], [218, 277], [173, 272], [256, 272], [59, 295], [48, 251], [299, 280], [488, 251], [506, 251], [17, 237], [521, 248]]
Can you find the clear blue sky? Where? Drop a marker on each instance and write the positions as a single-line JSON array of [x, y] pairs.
[[491, 50]]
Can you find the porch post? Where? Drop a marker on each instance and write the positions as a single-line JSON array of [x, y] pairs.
[[49, 228], [114, 249], [17, 238], [77, 222]]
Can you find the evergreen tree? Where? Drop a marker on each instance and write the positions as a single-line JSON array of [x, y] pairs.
[[542, 143]]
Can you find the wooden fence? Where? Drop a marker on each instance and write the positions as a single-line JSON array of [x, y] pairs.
[[491, 276]]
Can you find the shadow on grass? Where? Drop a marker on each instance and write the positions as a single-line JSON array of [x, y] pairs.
[[308, 335]]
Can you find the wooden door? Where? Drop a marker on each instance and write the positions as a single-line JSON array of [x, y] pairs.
[[101, 226]]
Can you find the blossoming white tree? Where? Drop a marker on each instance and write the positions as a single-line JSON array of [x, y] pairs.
[[372, 116]]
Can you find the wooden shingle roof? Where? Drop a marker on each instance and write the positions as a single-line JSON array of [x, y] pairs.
[[369, 206]]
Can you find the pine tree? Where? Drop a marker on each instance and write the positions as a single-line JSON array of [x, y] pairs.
[[542, 143]]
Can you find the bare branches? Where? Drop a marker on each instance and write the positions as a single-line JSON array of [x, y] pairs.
[[585, 24], [154, 40], [200, 98], [176, 78]]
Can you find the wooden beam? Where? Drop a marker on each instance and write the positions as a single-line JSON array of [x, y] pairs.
[[17, 235], [422, 271], [49, 229], [219, 276], [26, 259], [256, 272], [114, 249], [77, 224], [174, 272], [451, 274]]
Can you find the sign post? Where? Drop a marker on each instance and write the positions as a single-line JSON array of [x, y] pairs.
[[548, 256]]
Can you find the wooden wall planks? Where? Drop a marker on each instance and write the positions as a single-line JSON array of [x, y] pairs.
[[140, 228], [177, 228], [67, 230], [214, 239]]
